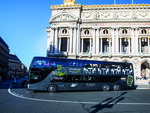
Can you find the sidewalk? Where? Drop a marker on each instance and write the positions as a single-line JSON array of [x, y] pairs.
[[7, 81], [11, 81], [143, 87], [142, 84]]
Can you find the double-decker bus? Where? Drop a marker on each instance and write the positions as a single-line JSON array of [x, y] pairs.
[[57, 74]]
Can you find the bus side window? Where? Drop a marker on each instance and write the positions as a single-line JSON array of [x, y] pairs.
[[116, 69], [62, 62], [86, 64], [123, 71], [90, 64], [74, 63], [128, 69], [105, 68], [40, 63]]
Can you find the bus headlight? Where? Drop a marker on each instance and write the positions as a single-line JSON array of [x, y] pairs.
[[123, 78]]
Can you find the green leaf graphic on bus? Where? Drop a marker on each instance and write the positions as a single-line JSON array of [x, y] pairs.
[[129, 80], [60, 73]]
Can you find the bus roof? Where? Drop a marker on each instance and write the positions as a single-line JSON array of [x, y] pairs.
[[69, 59]]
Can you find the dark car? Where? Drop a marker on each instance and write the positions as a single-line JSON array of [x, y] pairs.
[[24, 83]]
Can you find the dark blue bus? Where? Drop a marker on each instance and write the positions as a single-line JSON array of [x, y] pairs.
[[57, 74]]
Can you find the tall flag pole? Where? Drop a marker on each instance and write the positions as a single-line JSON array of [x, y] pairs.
[[114, 2], [132, 1]]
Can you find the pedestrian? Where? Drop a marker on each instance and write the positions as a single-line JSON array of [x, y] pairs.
[[0, 80]]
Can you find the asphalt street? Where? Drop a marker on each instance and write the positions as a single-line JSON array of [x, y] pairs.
[[15, 99]]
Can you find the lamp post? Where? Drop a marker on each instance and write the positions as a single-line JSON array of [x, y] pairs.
[[15, 82]]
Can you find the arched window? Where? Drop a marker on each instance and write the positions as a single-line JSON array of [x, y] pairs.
[[143, 31], [105, 31], [124, 31], [86, 32], [64, 31]]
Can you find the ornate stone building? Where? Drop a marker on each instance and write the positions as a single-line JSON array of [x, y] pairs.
[[101, 32], [4, 56]]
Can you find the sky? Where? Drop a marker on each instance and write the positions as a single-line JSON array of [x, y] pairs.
[[23, 24]]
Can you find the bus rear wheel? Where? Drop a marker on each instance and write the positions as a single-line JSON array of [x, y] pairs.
[[106, 87], [52, 88], [116, 87]]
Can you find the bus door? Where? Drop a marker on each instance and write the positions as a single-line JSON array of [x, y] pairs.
[[34, 78]]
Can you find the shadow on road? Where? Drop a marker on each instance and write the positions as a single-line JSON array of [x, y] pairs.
[[107, 103]]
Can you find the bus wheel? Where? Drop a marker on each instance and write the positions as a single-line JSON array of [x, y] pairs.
[[116, 87], [106, 87], [52, 88]]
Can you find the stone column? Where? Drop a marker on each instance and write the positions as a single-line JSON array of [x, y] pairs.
[[110, 45], [71, 44], [59, 44], [136, 47], [94, 42], [97, 42], [120, 44], [82, 46], [101, 45], [148, 45], [139, 45], [48, 40], [52, 40], [132, 41], [75, 41], [129, 48], [113, 41], [78, 40], [117, 41], [68, 42], [90, 45], [56, 40]]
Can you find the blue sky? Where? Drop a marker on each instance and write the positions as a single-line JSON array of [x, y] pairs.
[[23, 24]]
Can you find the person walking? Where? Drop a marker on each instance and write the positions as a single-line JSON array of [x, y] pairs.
[[0, 80]]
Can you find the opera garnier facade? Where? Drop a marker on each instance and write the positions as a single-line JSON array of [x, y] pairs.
[[101, 32]]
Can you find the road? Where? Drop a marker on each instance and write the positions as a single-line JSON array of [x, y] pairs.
[[15, 99]]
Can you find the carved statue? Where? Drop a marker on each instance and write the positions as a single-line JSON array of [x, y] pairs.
[[69, 2]]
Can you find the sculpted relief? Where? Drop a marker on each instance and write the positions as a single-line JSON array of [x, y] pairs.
[[89, 15], [86, 14], [116, 14], [96, 15], [124, 13], [142, 13], [105, 14], [63, 18]]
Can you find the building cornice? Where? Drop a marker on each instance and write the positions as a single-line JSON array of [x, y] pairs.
[[119, 6], [66, 6], [116, 6]]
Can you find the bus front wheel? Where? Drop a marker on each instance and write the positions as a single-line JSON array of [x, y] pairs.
[[52, 88], [106, 87]]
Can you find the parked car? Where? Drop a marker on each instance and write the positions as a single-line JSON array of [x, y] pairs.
[[24, 83]]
